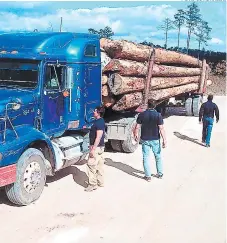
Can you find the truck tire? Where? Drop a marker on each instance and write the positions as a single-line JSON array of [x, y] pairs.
[[188, 107], [196, 104], [30, 178], [130, 144], [116, 145]]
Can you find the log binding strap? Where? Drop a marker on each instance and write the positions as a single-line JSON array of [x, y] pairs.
[[148, 83]]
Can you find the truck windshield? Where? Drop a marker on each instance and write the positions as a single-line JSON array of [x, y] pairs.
[[18, 74]]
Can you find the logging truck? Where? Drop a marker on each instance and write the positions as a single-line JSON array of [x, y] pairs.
[[50, 83]]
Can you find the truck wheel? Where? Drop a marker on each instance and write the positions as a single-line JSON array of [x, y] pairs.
[[188, 107], [31, 178], [130, 144], [196, 104], [116, 145]]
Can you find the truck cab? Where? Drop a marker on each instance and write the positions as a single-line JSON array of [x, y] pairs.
[[50, 84]]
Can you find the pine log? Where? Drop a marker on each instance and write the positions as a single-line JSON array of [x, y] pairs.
[[209, 82], [138, 69], [104, 79], [128, 101], [126, 68], [108, 101], [105, 90], [202, 77], [125, 50], [122, 85], [133, 100], [104, 59], [162, 94], [122, 49]]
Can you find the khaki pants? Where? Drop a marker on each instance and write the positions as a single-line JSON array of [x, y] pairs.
[[95, 168]]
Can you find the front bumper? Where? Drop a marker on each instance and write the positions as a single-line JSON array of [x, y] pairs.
[[8, 175]]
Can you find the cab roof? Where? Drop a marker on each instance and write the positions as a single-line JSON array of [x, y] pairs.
[[37, 45]]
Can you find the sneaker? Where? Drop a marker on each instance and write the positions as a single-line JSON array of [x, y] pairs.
[[147, 178], [90, 188], [207, 145], [159, 176]]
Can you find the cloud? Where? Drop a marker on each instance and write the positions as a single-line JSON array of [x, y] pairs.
[[82, 19], [133, 23], [216, 41]]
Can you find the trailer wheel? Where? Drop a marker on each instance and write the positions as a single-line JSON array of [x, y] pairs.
[[197, 102], [188, 107], [130, 144], [31, 178], [116, 145]]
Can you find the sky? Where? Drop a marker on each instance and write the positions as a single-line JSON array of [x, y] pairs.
[[136, 21]]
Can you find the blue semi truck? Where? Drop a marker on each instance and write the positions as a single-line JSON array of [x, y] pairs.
[[50, 84]]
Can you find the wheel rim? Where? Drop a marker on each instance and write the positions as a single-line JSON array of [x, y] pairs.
[[32, 177]]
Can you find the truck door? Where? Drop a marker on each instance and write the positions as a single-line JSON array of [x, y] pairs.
[[53, 119], [92, 80]]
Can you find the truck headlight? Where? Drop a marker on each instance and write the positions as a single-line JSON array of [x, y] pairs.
[[16, 106]]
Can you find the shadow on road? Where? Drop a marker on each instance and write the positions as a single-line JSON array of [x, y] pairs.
[[184, 137], [78, 176], [4, 199], [123, 167]]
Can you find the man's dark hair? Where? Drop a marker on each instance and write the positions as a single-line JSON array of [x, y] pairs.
[[100, 110], [151, 104], [210, 97]]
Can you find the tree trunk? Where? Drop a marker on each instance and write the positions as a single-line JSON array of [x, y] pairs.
[[128, 101], [188, 41], [199, 49], [126, 68], [162, 94], [166, 40], [105, 90], [141, 53], [138, 69], [178, 42], [104, 79], [122, 85], [126, 50], [108, 101]]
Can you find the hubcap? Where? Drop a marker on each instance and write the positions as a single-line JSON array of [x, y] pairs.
[[32, 177]]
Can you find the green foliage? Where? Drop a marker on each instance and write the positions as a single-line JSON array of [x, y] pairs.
[[192, 17], [166, 26], [179, 20], [103, 33]]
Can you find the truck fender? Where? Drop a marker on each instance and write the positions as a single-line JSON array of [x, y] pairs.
[[31, 138]]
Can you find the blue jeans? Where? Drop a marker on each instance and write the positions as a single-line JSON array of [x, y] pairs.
[[156, 148], [207, 129]]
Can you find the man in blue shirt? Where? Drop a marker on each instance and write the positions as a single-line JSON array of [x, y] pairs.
[[206, 114], [151, 123], [95, 164]]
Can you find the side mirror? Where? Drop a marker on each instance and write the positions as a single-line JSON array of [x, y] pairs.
[[69, 78]]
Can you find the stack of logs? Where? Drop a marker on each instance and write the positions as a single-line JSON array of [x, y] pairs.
[[125, 69]]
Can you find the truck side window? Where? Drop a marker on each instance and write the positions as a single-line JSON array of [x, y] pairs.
[[90, 51], [52, 81]]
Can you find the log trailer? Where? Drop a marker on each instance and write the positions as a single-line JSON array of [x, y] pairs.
[[50, 84]]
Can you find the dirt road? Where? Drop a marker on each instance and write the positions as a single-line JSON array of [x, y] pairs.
[[187, 205]]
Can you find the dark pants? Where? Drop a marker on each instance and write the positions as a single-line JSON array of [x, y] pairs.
[[207, 129]]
